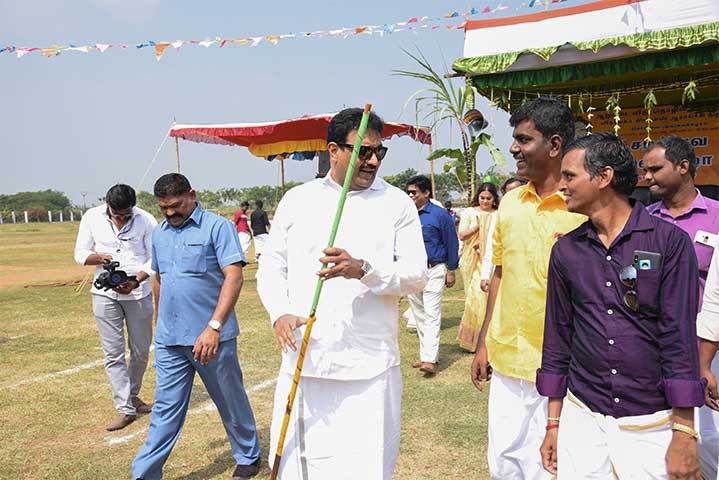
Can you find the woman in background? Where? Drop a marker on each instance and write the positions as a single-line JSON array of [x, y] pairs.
[[475, 231]]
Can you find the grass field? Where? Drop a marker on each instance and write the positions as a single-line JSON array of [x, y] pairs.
[[55, 398]]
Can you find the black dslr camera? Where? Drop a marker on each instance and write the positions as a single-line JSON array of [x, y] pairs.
[[112, 277]]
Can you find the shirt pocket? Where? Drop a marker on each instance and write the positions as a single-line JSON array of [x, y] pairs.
[[647, 288], [135, 245], [193, 258], [538, 242], [163, 254], [431, 236], [427, 229], [542, 254]]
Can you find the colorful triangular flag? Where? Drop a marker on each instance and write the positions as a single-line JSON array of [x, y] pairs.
[[160, 50]]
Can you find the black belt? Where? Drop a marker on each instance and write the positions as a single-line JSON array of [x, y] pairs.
[[433, 264]]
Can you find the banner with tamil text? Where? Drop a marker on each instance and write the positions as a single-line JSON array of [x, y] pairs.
[[701, 129]]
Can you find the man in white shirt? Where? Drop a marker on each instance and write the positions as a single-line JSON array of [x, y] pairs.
[[346, 419], [708, 333], [118, 231]]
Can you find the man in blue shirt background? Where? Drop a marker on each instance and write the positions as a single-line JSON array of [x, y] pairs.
[[442, 246], [198, 260]]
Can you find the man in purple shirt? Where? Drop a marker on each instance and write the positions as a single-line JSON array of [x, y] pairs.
[[619, 335], [670, 166]]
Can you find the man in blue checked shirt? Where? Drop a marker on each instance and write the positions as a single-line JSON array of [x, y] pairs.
[[198, 260], [442, 246]]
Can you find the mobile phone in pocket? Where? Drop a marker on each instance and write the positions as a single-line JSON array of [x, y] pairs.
[[707, 238], [643, 260]]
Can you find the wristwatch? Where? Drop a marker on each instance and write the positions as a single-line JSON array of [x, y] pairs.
[[215, 325], [366, 268]]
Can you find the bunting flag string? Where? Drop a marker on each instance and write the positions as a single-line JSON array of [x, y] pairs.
[[414, 24]]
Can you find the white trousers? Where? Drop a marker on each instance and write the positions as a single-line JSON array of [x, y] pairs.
[[339, 429], [517, 417], [592, 445], [260, 241], [708, 427], [427, 310], [245, 240]]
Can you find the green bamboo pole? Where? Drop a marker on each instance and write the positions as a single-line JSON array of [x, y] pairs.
[[318, 291]]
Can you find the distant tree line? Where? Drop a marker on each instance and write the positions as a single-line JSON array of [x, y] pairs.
[[36, 204], [224, 201], [44, 199]]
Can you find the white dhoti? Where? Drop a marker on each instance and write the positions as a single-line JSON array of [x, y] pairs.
[[245, 240], [260, 241], [427, 310], [346, 429], [517, 417], [411, 321], [707, 422], [592, 445]]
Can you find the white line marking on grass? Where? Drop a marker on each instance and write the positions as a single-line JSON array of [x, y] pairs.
[[205, 407], [61, 373], [262, 386], [126, 438], [17, 336]]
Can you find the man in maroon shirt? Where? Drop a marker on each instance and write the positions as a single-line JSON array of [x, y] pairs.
[[620, 330], [243, 229]]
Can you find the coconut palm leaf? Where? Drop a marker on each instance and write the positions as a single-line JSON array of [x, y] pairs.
[[497, 156], [443, 102], [452, 153]]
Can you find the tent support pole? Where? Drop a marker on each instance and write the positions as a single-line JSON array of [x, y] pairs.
[[431, 174], [282, 169], [177, 154]]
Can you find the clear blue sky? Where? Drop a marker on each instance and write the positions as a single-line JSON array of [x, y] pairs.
[[81, 122]]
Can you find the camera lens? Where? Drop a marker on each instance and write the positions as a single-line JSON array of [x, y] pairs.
[[116, 278]]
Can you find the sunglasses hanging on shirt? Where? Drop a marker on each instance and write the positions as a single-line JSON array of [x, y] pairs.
[[628, 277]]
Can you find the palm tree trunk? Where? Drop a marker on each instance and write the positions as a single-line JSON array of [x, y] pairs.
[[468, 166]]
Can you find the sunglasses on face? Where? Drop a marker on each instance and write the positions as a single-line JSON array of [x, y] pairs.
[[628, 277], [411, 193], [366, 152]]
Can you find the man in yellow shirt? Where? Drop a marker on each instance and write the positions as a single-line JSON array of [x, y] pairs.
[[529, 220]]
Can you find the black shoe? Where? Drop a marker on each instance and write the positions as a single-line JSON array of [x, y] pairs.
[[243, 472]]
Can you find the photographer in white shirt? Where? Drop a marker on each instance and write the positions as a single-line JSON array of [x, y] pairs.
[[118, 231]]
